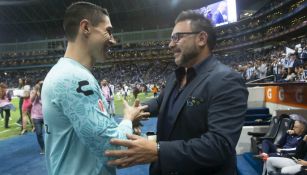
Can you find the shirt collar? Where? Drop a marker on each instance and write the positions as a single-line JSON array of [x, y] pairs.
[[198, 67], [181, 71], [191, 72]]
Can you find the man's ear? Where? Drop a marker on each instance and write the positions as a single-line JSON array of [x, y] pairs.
[[85, 27], [203, 39]]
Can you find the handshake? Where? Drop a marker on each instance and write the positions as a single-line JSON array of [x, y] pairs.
[[135, 113]]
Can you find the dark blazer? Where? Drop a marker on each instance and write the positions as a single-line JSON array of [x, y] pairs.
[[207, 126]]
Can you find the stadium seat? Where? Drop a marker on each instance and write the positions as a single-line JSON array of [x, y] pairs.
[[257, 116], [252, 111], [278, 128], [257, 136]]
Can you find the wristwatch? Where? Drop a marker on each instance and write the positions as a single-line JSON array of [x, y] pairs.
[[158, 148]]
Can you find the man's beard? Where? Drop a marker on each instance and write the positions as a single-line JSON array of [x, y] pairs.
[[188, 56]]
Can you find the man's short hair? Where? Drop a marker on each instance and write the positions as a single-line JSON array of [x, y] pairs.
[[199, 23], [79, 11]]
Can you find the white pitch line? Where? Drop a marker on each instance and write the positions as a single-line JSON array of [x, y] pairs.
[[9, 129], [17, 124], [4, 131]]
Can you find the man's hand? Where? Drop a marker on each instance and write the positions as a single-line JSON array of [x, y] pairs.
[[140, 151], [290, 132], [136, 124], [133, 113], [137, 128], [302, 162]]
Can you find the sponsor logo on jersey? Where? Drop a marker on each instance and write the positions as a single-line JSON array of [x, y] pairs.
[[81, 84], [100, 105]]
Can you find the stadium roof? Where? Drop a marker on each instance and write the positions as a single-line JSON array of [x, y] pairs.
[[24, 20]]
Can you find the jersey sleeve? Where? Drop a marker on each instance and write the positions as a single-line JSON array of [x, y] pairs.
[[81, 103]]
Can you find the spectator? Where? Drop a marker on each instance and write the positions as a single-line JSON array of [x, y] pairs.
[[112, 106], [5, 104], [289, 141], [21, 83], [155, 90], [37, 114], [289, 166], [26, 107]]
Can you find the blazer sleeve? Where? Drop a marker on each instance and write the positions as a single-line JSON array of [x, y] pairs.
[[227, 106]]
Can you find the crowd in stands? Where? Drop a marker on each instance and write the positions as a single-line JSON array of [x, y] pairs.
[[252, 65], [252, 23], [140, 45], [150, 62], [286, 67], [267, 33], [146, 72], [39, 57], [118, 74], [270, 5]]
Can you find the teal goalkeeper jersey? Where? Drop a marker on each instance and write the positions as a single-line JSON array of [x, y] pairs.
[[78, 127]]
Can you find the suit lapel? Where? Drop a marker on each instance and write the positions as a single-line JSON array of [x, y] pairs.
[[167, 92], [202, 75]]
